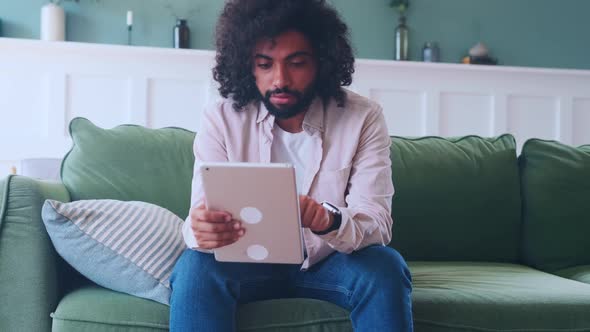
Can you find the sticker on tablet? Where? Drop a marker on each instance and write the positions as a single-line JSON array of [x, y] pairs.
[[251, 215], [257, 252]]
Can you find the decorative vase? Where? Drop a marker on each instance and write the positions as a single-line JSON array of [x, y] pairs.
[[53, 23], [401, 40], [181, 34]]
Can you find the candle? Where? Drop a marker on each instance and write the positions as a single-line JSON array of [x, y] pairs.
[[129, 17], [53, 22]]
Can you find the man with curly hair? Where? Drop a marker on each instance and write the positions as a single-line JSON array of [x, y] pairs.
[[281, 66]]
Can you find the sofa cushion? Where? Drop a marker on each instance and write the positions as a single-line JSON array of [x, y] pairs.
[[556, 204], [456, 198], [30, 285], [130, 163], [451, 296], [130, 247], [578, 273], [97, 309]]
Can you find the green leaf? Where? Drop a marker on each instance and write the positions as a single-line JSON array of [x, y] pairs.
[[400, 5]]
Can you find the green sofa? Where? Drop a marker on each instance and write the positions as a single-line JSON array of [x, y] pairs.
[[494, 242]]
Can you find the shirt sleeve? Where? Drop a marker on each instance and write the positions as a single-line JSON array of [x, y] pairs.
[[366, 220], [209, 146]]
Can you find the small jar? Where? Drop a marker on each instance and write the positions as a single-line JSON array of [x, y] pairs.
[[431, 52]]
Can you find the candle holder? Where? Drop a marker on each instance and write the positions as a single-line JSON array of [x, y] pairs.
[[129, 35], [129, 27]]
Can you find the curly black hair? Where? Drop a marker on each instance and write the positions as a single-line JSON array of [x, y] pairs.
[[244, 22]]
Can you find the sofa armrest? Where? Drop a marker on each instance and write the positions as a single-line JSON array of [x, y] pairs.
[[29, 265]]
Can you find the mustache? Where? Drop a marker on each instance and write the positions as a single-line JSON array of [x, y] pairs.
[[284, 91]]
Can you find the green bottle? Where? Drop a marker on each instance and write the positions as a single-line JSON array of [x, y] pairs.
[[401, 40]]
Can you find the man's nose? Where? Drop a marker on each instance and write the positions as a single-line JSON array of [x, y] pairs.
[[281, 78]]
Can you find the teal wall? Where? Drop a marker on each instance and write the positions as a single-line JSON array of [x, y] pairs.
[[537, 33]]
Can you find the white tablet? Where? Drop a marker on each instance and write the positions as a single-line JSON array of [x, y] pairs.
[[264, 197]]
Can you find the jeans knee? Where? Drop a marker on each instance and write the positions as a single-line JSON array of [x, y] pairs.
[[389, 269], [192, 265]]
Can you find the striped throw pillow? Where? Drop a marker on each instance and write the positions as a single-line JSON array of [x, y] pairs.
[[130, 247]]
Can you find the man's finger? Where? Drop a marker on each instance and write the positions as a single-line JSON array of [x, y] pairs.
[[215, 244], [210, 216], [205, 236], [211, 227], [207, 243], [319, 218], [303, 205]]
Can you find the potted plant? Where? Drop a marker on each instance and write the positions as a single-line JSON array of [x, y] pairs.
[[400, 5]]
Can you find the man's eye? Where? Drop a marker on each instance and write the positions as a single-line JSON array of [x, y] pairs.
[[263, 65], [298, 64]]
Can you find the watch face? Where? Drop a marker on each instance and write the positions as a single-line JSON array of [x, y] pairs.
[[331, 208]]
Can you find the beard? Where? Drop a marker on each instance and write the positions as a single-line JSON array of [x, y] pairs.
[[304, 99]]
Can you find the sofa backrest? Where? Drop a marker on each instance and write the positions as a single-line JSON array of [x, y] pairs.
[[130, 163], [456, 198], [556, 211]]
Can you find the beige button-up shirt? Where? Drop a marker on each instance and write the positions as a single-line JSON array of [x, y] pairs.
[[350, 165]]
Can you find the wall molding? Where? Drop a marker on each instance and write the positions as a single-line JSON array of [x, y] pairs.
[[45, 84]]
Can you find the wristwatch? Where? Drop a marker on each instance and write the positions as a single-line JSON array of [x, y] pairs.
[[337, 218]]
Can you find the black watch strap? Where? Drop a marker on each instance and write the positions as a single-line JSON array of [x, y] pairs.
[[337, 218]]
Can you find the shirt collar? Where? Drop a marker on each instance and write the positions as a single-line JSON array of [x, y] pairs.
[[262, 112], [313, 120]]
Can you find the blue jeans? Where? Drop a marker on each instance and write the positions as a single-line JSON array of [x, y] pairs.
[[374, 284]]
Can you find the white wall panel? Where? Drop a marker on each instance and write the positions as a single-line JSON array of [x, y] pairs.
[[533, 117], [465, 114], [404, 111], [23, 102], [6, 165], [581, 121], [104, 100], [176, 103], [44, 85], [500, 114]]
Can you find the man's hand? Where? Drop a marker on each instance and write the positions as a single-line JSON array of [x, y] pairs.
[[214, 229], [313, 215]]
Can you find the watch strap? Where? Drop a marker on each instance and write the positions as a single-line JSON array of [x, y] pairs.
[[336, 221]]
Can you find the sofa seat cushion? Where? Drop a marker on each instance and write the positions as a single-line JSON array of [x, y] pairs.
[[449, 296], [93, 308], [578, 273]]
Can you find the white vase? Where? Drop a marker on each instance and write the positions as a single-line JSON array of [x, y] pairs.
[[53, 23]]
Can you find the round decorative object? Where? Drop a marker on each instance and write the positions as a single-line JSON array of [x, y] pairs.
[[479, 50], [257, 252], [251, 215], [53, 23]]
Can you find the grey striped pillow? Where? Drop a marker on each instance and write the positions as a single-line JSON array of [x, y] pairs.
[[129, 247]]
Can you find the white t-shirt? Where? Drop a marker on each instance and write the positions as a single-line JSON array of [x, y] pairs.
[[292, 148]]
